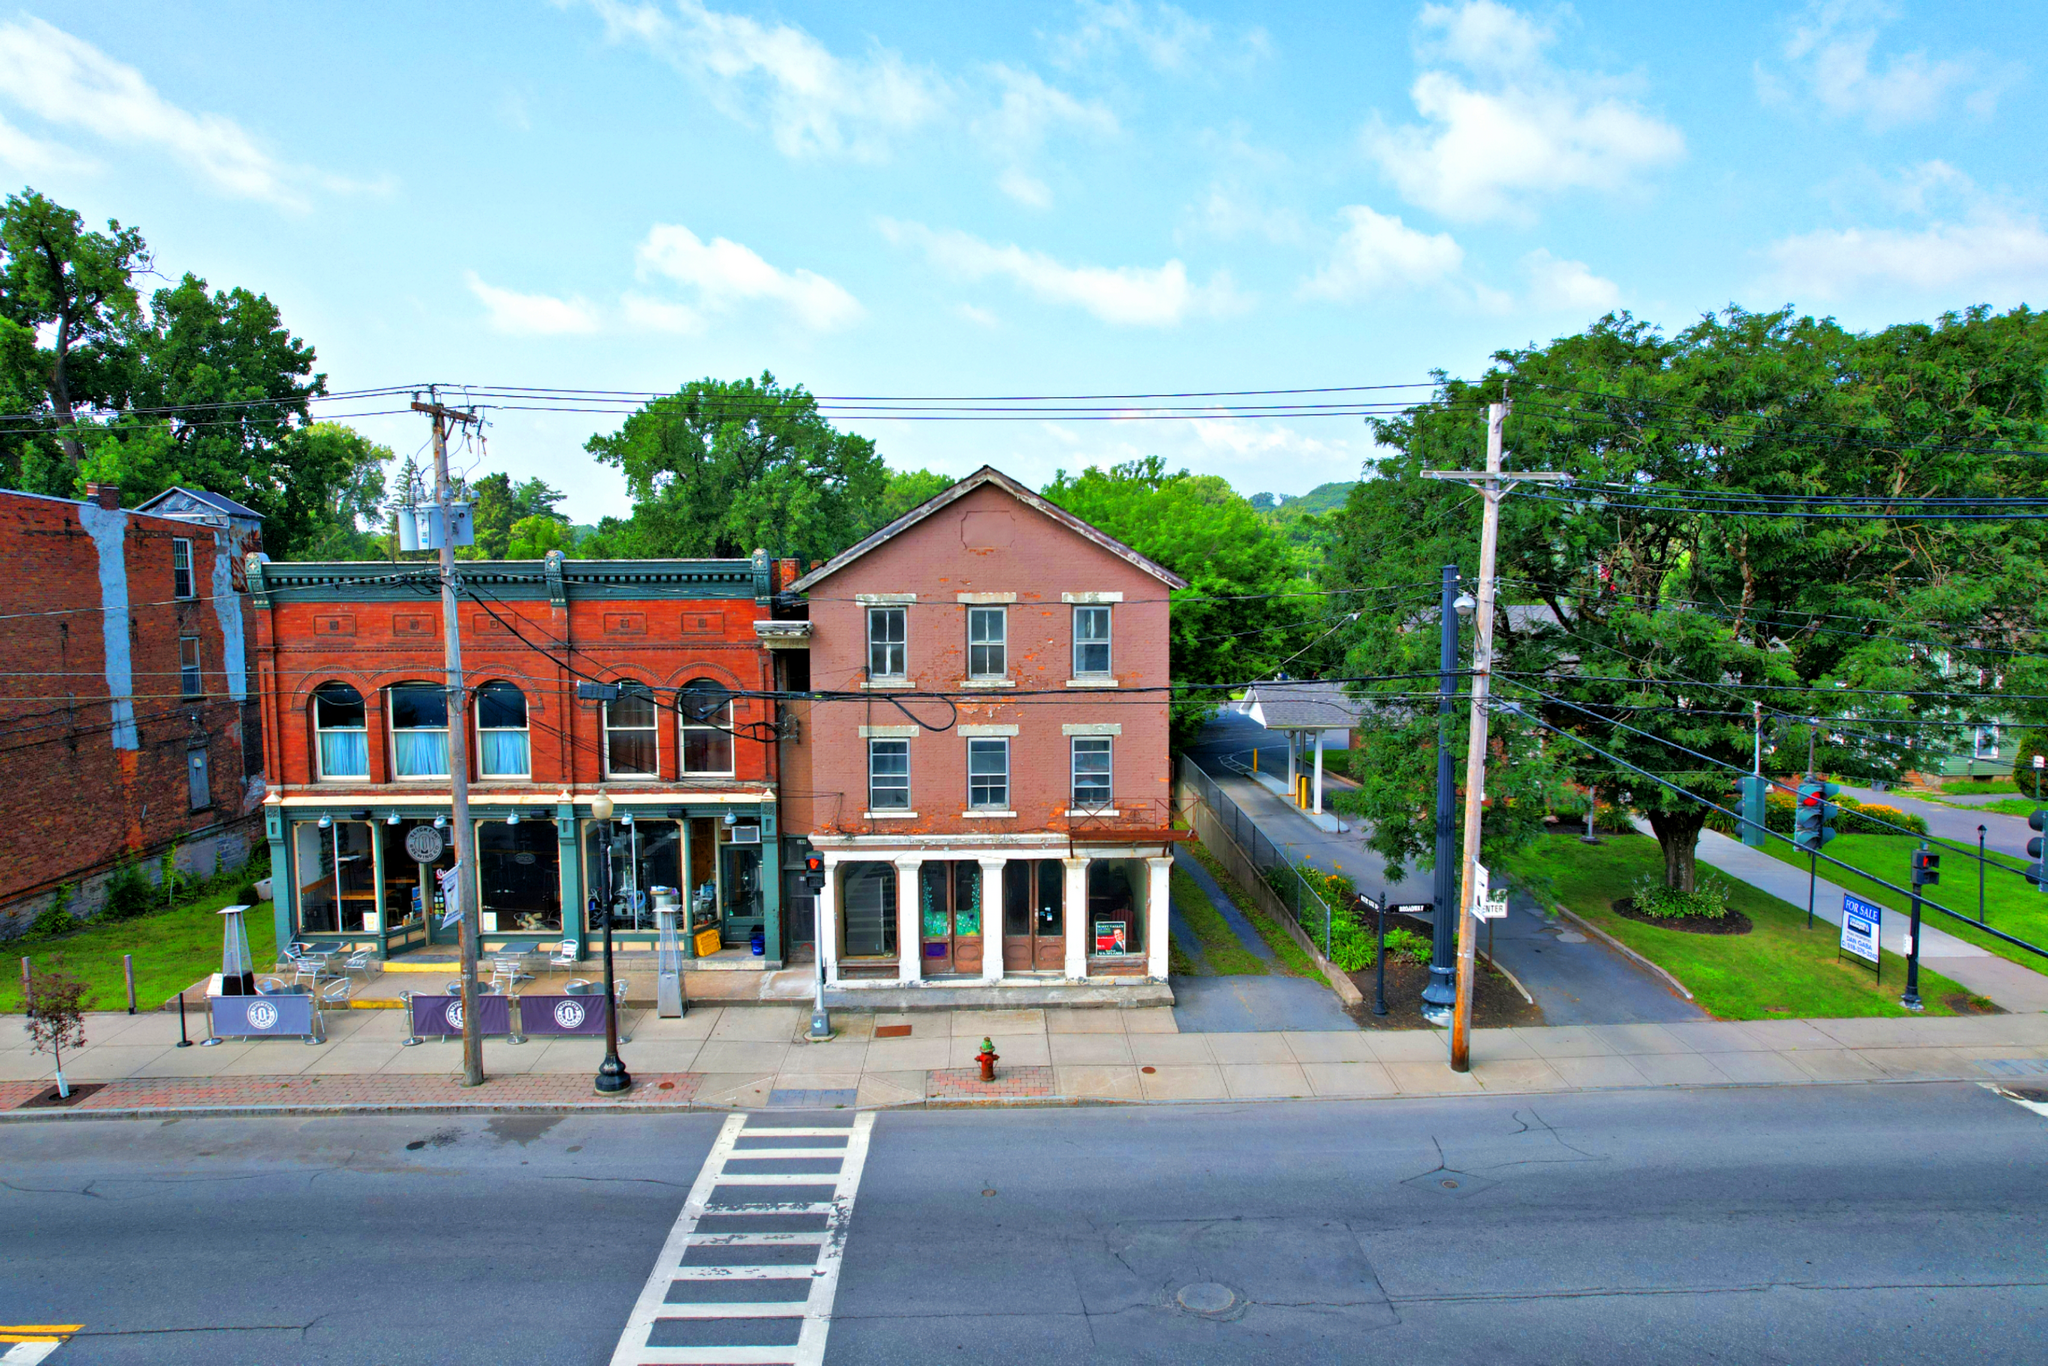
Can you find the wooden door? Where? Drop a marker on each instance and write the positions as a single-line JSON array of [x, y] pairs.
[[949, 915], [1034, 916]]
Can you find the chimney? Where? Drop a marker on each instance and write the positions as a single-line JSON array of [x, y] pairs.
[[817, 564], [108, 496]]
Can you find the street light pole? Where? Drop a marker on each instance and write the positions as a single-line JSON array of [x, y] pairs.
[[1441, 993], [612, 1076]]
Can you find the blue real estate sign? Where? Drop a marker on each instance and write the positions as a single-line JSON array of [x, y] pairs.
[[1861, 922]]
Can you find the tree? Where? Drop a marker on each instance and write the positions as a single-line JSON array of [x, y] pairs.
[[353, 519], [499, 505], [56, 1007], [1247, 613], [1647, 622], [719, 468], [534, 537]]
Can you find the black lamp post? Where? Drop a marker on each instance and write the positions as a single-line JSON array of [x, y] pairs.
[[1441, 993], [612, 1076]]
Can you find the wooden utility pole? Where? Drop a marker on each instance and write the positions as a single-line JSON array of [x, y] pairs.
[[458, 742], [1490, 482]]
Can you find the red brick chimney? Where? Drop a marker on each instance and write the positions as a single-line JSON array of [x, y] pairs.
[[108, 496]]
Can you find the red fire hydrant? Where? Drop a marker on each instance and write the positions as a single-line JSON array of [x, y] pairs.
[[987, 1059]]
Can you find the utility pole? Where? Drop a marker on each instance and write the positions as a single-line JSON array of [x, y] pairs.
[[1490, 481], [458, 739]]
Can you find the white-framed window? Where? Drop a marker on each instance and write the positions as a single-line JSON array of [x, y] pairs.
[[341, 732], [888, 648], [419, 730], [182, 582], [632, 734], [988, 774], [1091, 642], [888, 775], [988, 634], [1092, 772], [704, 708], [189, 682], [503, 742]]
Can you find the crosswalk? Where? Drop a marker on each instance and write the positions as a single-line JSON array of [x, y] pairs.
[[26, 1344], [750, 1270]]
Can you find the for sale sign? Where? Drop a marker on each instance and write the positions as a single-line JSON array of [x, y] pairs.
[[1861, 923]]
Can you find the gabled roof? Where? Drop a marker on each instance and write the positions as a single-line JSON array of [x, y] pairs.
[[196, 501], [1305, 705], [988, 474]]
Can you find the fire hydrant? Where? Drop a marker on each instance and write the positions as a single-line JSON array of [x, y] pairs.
[[987, 1059]]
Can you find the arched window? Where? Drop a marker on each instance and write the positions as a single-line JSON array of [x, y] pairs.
[[419, 730], [502, 750], [632, 740], [705, 708], [341, 731]]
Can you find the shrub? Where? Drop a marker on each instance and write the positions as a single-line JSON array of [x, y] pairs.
[[1410, 944], [1351, 946], [1779, 816], [128, 894], [55, 919], [1652, 898], [1851, 823], [2032, 743], [246, 894]]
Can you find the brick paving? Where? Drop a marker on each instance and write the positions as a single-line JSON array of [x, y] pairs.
[[13, 1093], [965, 1083]]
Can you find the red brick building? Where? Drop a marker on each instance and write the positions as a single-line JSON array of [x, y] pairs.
[[989, 784], [126, 725], [355, 721]]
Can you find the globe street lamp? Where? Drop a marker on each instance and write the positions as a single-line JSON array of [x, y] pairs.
[[612, 1076], [1441, 993]]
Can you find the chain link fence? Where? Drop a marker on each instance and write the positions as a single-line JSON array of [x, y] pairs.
[[1270, 862]]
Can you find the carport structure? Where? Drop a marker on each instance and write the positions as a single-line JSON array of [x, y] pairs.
[[1299, 709]]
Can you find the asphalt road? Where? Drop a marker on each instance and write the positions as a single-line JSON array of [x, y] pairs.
[[1820, 1224]]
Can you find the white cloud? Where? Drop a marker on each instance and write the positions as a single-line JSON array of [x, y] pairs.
[[1830, 52], [532, 315], [1165, 36], [1379, 254], [66, 81], [1568, 286], [34, 155], [724, 274], [815, 102], [980, 317], [643, 314], [1229, 213], [1136, 296], [1512, 127], [1991, 250], [1025, 188], [1028, 113]]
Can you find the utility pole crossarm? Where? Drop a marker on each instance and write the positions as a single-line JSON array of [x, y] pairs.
[[444, 412], [1501, 476]]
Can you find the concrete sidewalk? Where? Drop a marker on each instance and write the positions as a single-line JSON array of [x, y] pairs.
[[754, 1057], [2009, 984]]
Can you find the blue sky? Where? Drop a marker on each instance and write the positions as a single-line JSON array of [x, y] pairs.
[[1102, 196]]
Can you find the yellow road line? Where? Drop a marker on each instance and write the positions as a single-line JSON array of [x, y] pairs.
[[41, 1327]]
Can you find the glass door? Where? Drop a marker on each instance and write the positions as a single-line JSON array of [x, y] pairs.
[[949, 911], [1034, 916]]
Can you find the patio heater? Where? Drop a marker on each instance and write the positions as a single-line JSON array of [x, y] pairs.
[[668, 956], [237, 970]]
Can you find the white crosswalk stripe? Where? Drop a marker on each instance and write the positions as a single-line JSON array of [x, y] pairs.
[[679, 1318]]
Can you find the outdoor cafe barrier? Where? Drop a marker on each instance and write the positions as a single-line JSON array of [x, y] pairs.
[[441, 1016], [563, 1014], [286, 1014]]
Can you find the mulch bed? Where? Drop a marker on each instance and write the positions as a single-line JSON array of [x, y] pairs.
[[1962, 1003], [1734, 922], [1496, 1004], [48, 1099]]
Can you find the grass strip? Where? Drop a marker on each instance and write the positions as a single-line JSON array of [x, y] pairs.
[[1779, 970], [2010, 904], [1179, 964], [1227, 954], [1293, 958], [173, 949]]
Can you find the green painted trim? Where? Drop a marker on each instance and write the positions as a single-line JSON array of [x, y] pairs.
[[517, 580]]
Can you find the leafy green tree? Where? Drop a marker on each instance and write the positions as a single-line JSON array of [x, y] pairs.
[[1247, 613], [352, 526], [499, 505], [721, 467], [908, 489], [534, 537]]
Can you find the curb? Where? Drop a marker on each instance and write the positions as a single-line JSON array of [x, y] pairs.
[[1627, 952]]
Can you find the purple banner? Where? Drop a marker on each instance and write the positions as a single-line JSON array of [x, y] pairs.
[[562, 1014], [435, 1016], [262, 1017]]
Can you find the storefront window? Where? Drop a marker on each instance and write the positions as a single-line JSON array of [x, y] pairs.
[[631, 738], [868, 896], [403, 876], [645, 855], [519, 868], [339, 724], [1116, 906], [501, 734], [337, 876], [706, 709], [419, 731]]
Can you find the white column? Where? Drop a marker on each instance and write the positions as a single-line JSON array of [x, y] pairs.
[[1077, 917], [992, 919], [828, 918], [1292, 740], [909, 933], [1158, 900], [1319, 773]]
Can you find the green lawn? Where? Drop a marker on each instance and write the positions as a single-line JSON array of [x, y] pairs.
[[173, 949], [1293, 958], [1779, 970], [1977, 787], [1226, 953], [2011, 904]]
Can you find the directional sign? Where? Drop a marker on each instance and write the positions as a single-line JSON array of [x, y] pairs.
[[1494, 907], [1861, 923], [1482, 886]]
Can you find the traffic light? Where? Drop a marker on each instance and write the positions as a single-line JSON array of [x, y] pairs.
[[814, 872], [1814, 816], [2037, 871], [1753, 790], [1926, 868]]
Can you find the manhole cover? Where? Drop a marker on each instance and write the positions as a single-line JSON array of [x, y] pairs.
[[1568, 937], [1455, 1184], [1207, 1297]]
